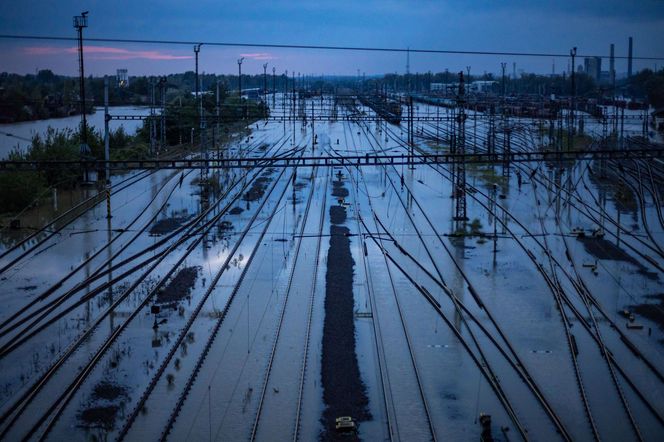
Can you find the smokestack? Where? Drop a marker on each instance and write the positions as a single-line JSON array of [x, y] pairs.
[[629, 59], [612, 64]]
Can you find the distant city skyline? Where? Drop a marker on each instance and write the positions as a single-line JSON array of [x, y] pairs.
[[509, 26]]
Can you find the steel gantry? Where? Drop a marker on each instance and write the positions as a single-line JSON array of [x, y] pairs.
[[353, 160]]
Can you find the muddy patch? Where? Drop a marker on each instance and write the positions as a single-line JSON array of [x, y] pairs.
[[225, 229], [106, 401], [109, 391], [344, 393], [337, 214], [338, 190], [653, 311], [178, 288], [257, 189], [28, 288], [225, 226], [102, 417], [601, 248], [167, 225]]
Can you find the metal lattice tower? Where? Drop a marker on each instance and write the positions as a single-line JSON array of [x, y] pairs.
[[507, 150], [460, 175], [153, 122], [80, 22]]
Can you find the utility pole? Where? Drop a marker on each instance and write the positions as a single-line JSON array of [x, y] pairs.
[[153, 122], [274, 85], [570, 136], [265, 82], [201, 125], [107, 118], [107, 152], [80, 22], [217, 133], [468, 76], [408, 68], [265, 89], [162, 88], [503, 65], [411, 138], [239, 77], [460, 183], [197, 49]]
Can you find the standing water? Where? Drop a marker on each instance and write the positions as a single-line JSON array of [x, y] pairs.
[[19, 135]]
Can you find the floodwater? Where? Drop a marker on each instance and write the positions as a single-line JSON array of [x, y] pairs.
[[206, 312], [19, 135]]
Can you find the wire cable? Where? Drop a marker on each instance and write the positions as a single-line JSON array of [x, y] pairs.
[[303, 46]]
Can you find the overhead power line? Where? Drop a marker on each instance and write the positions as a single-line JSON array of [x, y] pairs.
[[318, 47]]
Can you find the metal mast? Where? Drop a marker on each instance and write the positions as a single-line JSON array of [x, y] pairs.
[[274, 85], [80, 22], [201, 121], [460, 182], [162, 89], [570, 136], [265, 88], [239, 77]]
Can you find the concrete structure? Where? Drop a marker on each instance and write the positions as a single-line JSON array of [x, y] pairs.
[[482, 86]]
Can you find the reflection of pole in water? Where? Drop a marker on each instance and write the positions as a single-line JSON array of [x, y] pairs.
[[110, 273], [205, 204], [458, 282], [87, 246], [492, 220], [558, 190]]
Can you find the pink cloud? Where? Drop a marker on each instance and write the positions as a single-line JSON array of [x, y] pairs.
[[259, 56], [105, 53]]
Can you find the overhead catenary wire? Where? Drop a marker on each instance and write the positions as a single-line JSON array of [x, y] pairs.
[[314, 47]]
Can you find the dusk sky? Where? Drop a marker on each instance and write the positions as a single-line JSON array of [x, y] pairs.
[[484, 25]]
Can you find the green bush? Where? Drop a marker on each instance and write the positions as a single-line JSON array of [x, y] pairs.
[[19, 190]]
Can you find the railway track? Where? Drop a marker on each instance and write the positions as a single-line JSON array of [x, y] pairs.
[[53, 419], [9, 324], [213, 284], [650, 407], [201, 230], [461, 310], [179, 234], [275, 341], [173, 416], [66, 219], [310, 311], [399, 308]]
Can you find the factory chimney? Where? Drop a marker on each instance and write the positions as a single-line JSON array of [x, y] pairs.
[[612, 65], [629, 59]]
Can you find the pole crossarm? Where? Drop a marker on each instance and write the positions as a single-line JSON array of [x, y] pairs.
[[327, 161]]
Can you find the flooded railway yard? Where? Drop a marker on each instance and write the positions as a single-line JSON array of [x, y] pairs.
[[263, 303]]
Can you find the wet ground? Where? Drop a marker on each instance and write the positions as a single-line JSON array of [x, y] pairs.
[[277, 300]]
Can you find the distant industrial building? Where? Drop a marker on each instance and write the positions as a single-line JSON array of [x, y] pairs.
[[478, 86], [482, 86], [593, 66]]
